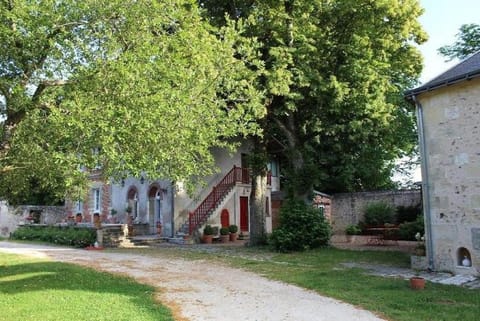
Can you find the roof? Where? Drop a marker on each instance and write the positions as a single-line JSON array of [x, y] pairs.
[[467, 69]]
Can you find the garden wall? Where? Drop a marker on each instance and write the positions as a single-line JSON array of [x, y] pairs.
[[348, 208], [11, 217]]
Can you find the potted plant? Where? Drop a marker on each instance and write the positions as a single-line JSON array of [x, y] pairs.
[[224, 234], [420, 248], [351, 231], [208, 234], [233, 229]]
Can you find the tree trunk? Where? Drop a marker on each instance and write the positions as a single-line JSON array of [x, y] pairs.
[[257, 195]]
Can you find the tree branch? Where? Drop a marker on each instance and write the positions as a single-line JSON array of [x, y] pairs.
[[44, 84]]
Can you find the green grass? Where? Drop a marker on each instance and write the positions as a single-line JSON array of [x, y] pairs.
[[33, 289], [322, 271]]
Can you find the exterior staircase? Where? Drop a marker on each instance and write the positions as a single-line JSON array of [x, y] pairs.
[[214, 199]]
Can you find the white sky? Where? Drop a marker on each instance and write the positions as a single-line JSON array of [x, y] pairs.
[[442, 20]]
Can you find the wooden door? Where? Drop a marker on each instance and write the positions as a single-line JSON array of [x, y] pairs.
[[243, 214], [225, 218]]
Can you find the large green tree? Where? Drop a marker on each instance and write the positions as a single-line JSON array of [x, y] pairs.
[[467, 43], [334, 75], [137, 87], [335, 71]]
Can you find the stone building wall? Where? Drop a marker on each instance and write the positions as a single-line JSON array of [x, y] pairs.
[[348, 208], [452, 152]]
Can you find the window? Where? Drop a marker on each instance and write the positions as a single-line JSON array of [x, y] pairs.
[[96, 200], [273, 167], [79, 206]]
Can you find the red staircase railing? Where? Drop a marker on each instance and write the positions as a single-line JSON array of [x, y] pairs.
[[201, 213]]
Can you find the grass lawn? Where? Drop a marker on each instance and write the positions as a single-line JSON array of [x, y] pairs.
[[321, 270], [33, 289]]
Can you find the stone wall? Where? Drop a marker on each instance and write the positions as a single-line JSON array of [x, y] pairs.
[[11, 216], [348, 208], [452, 154]]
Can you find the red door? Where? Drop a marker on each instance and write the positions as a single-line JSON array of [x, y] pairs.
[[243, 214], [225, 218]]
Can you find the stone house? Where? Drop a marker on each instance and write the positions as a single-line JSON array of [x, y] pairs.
[[448, 112], [222, 200]]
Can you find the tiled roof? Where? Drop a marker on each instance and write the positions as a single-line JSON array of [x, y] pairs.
[[467, 69]]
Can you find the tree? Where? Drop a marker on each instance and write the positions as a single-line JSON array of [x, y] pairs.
[[134, 88], [334, 76], [467, 43]]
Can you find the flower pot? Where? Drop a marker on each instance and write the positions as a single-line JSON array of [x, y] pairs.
[[224, 238], [417, 283], [233, 237], [207, 239]]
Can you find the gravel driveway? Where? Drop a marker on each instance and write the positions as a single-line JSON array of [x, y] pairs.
[[199, 291]]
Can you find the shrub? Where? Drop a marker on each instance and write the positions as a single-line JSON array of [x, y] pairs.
[[301, 227], [224, 231], [379, 213], [353, 230], [72, 236], [208, 230], [408, 230], [408, 213], [233, 228]]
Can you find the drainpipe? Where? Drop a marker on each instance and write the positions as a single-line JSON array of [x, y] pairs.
[[425, 184]]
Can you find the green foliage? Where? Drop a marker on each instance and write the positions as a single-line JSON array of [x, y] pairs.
[[408, 230], [233, 228], [408, 213], [467, 43], [353, 229], [224, 231], [36, 289], [379, 213], [335, 72], [72, 236], [154, 85], [301, 227], [208, 230]]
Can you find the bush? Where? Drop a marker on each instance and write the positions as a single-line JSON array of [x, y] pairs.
[[208, 230], [71, 236], [408, 213], [379, 213], [301, 227], [224, 231], [353, 230], [408, 230], [233, 228]]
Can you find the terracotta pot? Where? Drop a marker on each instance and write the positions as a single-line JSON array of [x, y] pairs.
[[233, 237], [417, 283], [224, 238], [207, 239]]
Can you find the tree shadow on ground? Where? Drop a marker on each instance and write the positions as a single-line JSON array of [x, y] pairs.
[[27, 277]]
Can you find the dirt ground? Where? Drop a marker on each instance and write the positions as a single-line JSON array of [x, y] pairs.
[[199, 291]]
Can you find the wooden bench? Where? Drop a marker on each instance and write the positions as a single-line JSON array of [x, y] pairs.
[[379, 235]]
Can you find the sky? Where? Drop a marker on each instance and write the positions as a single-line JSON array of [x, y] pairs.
[[442, 20]]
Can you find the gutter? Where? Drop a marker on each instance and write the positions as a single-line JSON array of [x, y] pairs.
[[425, 184], [422, 89]]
